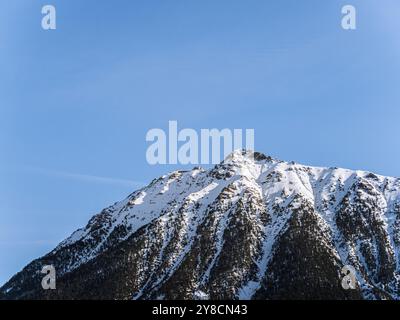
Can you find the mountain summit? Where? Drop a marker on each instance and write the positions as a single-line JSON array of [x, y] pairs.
[[252, 227]]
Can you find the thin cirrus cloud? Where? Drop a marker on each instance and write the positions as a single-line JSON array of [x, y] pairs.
[[9, 243], [83, 177]]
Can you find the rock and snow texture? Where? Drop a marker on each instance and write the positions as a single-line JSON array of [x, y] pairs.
[[249, 228]]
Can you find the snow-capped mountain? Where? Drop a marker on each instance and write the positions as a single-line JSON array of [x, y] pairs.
[[252, 227]]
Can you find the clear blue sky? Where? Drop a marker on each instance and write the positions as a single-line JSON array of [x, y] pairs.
[[76, 102]]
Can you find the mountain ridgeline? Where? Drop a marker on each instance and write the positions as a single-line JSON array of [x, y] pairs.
[[252, 227]]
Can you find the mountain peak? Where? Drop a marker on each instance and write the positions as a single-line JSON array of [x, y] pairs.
[[250, 227], [243, 155]]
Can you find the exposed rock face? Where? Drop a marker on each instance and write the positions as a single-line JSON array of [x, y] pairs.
[[250, 228]]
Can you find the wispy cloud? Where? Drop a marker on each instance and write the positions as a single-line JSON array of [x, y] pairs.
[[83, 177], [11, 243]]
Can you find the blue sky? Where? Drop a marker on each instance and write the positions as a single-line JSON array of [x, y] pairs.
[[76, 102]]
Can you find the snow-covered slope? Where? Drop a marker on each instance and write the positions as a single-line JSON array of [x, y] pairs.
[[251, 227]]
